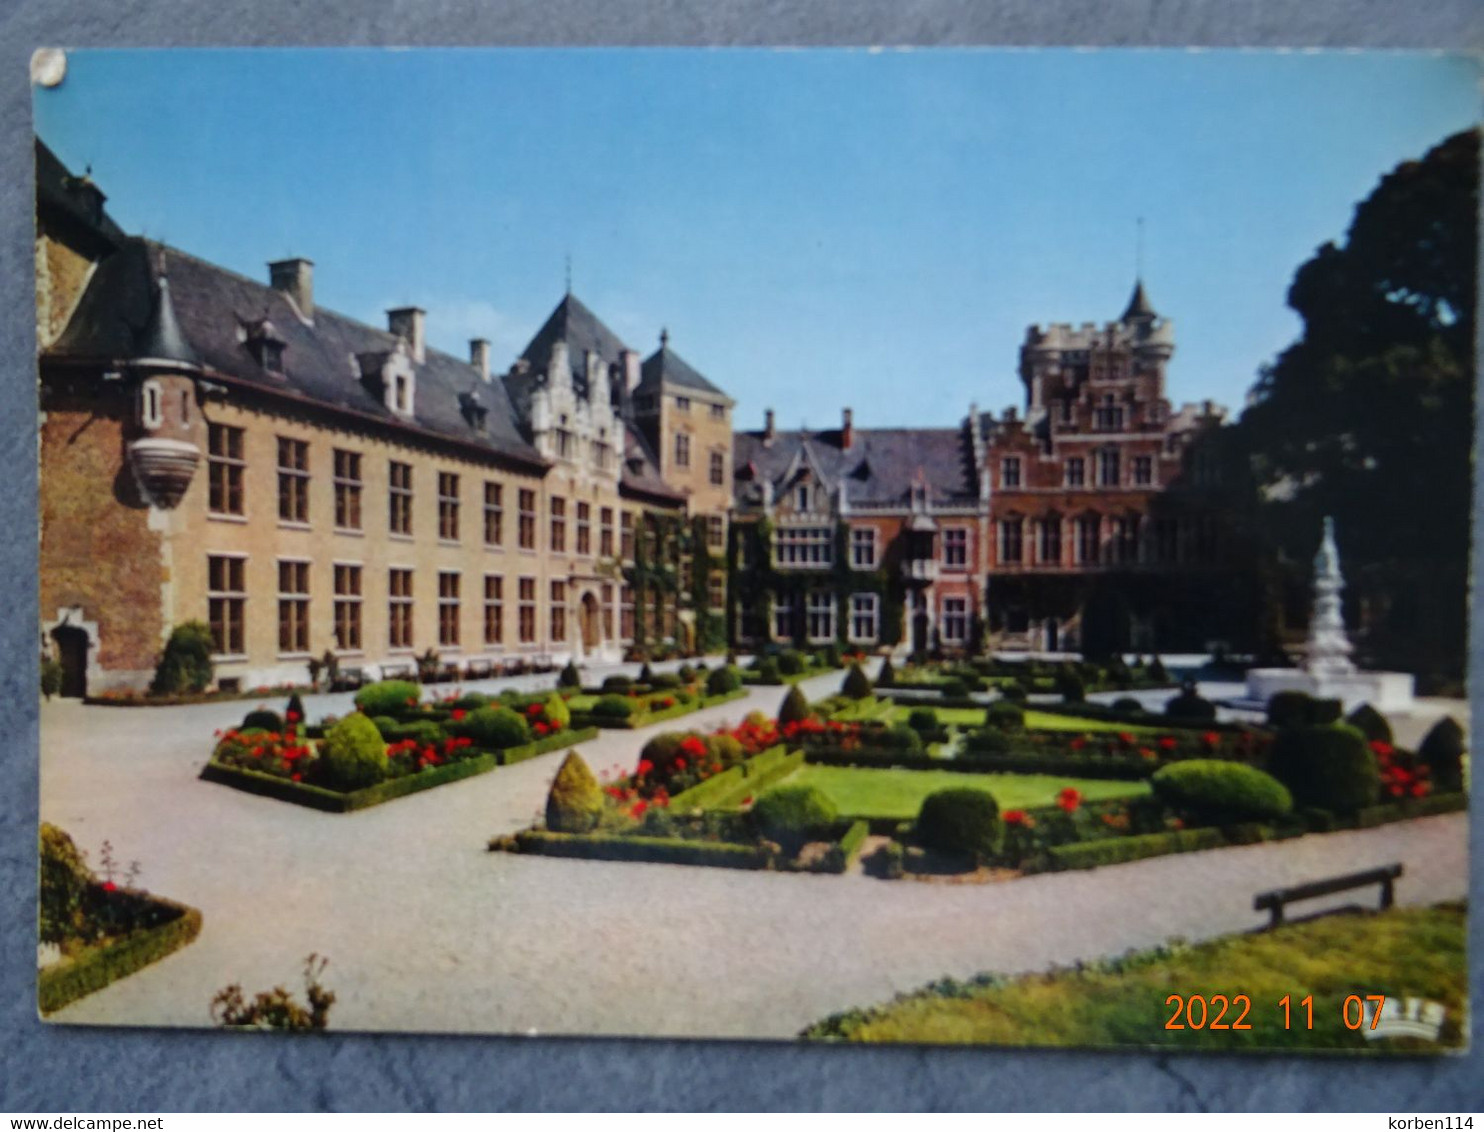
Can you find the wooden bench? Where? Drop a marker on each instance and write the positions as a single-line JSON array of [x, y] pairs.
[[1273, 902], [348, 680], [398, 672]]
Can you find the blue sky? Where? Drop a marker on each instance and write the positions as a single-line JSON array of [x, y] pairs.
[[815, 228]]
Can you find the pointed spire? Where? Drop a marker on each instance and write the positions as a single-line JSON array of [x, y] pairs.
[[1139, 307], [664, 337], [163, 340]]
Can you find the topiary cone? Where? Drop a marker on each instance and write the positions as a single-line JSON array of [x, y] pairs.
[[795, 708], [1442, 750], [576, 799], [856, 685]]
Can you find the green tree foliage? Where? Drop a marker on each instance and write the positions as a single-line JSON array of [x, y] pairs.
[[51, 676], [1371, 410], [185, 665], [65, 877], [576, 800]]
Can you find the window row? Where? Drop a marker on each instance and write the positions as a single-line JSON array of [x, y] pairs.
[[1108, 465], [227, 601], [1114, 540], [227, 470]]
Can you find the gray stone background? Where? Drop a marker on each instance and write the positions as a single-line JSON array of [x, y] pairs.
[[59, 1069]]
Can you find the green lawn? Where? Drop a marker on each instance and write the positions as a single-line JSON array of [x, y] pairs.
[[897, 794], [1407, 952], [948, 717], [1050, 721]]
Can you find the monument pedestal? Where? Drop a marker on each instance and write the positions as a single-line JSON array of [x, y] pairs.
[[1384, 691]]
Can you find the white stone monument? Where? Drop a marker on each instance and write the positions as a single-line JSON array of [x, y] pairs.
[[1327, 670]]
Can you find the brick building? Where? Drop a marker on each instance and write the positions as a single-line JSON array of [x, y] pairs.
[[223, 449]]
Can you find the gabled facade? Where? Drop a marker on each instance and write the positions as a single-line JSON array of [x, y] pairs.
[[223, 449]]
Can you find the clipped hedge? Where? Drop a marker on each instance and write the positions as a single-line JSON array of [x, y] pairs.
[[751, 777], [656, 850], [98, 966], [1119, 769], [960, 820], [1117, 850], [336, 802], [388, 697]]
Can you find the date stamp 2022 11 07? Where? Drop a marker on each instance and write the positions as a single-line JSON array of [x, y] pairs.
[[1372, 1014]]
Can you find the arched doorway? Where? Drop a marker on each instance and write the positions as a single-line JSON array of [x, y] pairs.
[[590, 618], [72, 651]]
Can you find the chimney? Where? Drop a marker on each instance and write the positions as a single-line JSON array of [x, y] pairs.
[[847, 428], [295, 278], [630, 362], [769, 430], [408, 323], [479, 357]]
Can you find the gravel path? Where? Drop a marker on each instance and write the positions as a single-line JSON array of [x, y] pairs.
[[425, 930]]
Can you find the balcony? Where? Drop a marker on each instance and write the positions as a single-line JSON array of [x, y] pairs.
[[920, 570]]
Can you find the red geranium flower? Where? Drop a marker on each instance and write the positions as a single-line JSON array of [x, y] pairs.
[[1069, 799], [1211, 739], [1382, 748], [458, 714], [644, 767], [540, 729], [109, 886], [1168, 742], [1018, 817]]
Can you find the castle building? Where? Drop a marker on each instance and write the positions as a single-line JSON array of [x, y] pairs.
[[1107, 529], [221, 449]]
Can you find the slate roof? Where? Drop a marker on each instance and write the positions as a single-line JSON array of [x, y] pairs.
[[665, 367], [1139, 306], [73, 200], [641, 470], [880, 467], [583, 331], [114, 318]]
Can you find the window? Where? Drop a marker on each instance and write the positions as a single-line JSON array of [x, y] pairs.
[[804, 546], [718, 468], [716, 590], [718, 412], [607, 592], [399, 608], [151, 405], [1143, 471], [347, 490], [601, 455], [494, 609], [682, 404], [558, 525], [399, 498], [783, 618], [716, 532], [1076, 471], [1108, 417], [954, 626], [1050, 548], [626, 536], [526, 534], [821, 610], [225, 466], [1011, 531], [526, 611], [559, 612], [801, 498], [626, 612], [448, 608], [1108, 467], [956, 548], [1088, 533], [347, 608], [682, 450], [584, 528], [293, 607], [494, 514], [293, 480], [1010, 471], [448, 507], [605, 533], [864, 618], [226, 601], [863, 548]]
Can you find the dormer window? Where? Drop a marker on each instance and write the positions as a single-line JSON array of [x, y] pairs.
[[402, 394], [474, 410], [801, 499], [270, 356], [266, 346]]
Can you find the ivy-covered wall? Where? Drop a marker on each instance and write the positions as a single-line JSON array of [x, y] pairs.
[[756, 587]]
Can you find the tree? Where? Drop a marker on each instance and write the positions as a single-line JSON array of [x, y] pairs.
[[1369, 415]]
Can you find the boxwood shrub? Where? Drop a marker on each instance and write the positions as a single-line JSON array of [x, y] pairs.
[[791, 815], [262, 719], [493, 728], [856, 685], [769, 671], [790, 662], [962, 821], [922, 719], [388, 697], [1442, 751], [1005, 716], [617, 685], [1370, 723], [723, 681], [575, 802], [1329, 766], [1189, 704], [614, 706], [1217, 792], [352, 755]]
